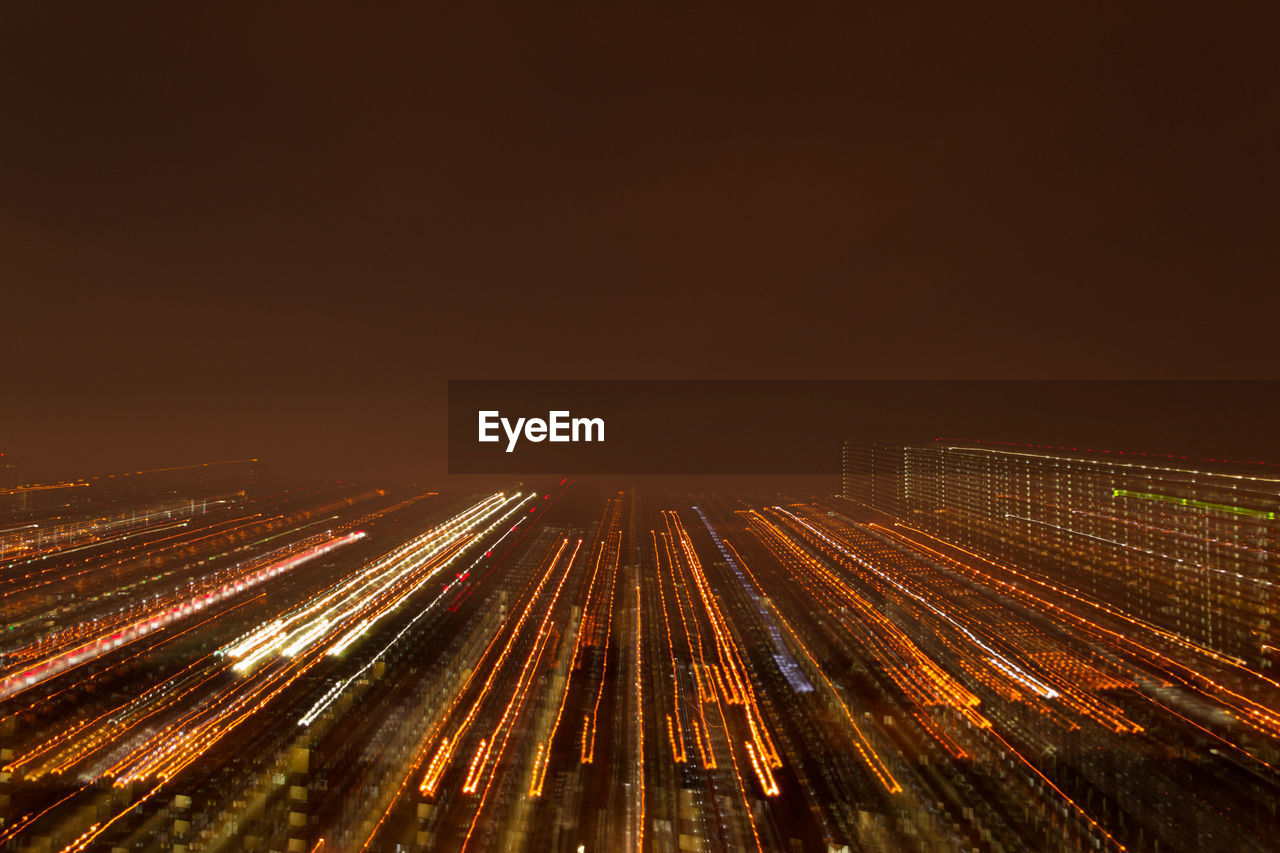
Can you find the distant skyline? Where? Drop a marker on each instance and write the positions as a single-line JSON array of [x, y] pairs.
[[278, 233], [788, 435]]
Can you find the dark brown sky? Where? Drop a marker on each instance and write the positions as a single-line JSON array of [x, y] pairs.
[[271, 231]]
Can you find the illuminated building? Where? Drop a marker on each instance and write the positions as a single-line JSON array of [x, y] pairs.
[[872, 474], [1185, 545]]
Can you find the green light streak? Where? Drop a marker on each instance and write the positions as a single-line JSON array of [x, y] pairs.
[[1238, 510]]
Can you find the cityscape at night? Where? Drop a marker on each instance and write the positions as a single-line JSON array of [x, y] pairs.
[[583, 428], [972, 646]]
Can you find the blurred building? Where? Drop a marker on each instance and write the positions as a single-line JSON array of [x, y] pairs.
[[1188, 546], [194, 487]]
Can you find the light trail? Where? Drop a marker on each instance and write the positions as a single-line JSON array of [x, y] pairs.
[[523, 681], [1262, 718], [447, 746], [588, 752], [115, 638], [639, 685], [167, 750], [1003, 663], [369, 594], [333, 693]]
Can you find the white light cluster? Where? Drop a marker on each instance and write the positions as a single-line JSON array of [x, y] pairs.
[[351, 598], [335, 691]]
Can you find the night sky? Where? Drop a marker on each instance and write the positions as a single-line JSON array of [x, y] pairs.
[[267, 231]]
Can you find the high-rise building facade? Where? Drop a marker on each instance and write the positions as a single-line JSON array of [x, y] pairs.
[[1188, 546]]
